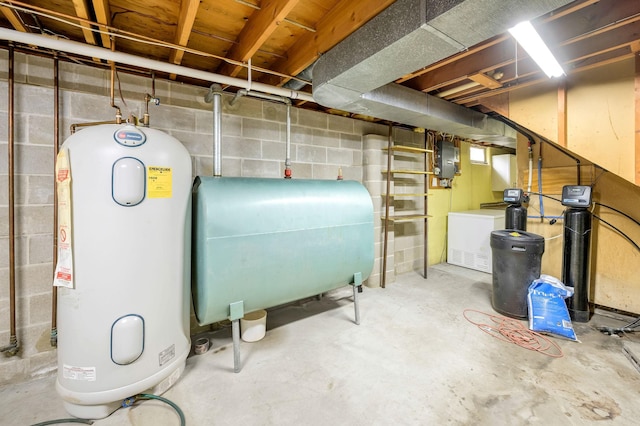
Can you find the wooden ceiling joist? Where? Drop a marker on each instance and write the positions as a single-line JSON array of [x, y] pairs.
[[103, 16], [334, 27], [188, 12], [82, 11], [258, 29], [13, 18]]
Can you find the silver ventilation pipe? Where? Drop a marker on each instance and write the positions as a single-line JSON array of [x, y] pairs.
[[287, 159], [358, 74], [215, 97]]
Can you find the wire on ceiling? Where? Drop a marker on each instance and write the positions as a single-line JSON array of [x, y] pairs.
[[115, 32]]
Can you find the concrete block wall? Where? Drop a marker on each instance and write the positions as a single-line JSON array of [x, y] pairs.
[[253, 144]]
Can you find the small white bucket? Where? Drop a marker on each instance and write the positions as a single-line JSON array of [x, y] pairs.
[[253, 326]]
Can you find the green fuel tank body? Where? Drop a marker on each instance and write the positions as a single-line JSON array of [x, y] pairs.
[[265, 242]]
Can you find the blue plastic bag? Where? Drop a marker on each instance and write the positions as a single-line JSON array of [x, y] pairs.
[[548, 311]]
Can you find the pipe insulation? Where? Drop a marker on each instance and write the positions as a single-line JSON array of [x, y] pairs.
[[358, 74], [126, 58]]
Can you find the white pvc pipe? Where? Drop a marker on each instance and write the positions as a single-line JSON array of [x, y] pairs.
[[68, 46]]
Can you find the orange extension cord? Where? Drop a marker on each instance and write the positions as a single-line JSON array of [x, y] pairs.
[[512, 331]]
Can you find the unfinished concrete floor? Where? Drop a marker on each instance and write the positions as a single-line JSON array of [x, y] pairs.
[[414, 360]]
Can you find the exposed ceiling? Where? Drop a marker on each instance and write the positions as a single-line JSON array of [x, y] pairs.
[[283, 38]]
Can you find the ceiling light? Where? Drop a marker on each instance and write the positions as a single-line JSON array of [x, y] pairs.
[[531, 42]]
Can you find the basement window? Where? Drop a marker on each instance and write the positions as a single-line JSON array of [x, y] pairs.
[[478, 155]]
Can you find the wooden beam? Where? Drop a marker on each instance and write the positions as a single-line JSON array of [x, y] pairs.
[[103, 16], [572, 9], [256, 31], [82, 11], [498, 103], [13, 18], [188, 12], [571, 33], [331, 29], [562, 113], [485, 80], [637, 120]]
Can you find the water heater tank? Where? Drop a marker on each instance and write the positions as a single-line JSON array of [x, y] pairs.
[[265, 242], [123, 324]]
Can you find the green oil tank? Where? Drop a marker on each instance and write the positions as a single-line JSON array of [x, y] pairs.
[[265, 242]]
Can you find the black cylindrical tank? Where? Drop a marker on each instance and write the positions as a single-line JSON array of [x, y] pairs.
[[515, 217], [516, 260], [575, 261]]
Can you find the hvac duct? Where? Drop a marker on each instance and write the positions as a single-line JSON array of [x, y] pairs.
[[357, 74]]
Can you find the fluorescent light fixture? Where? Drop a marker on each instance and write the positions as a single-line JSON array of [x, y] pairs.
[[531, 42]]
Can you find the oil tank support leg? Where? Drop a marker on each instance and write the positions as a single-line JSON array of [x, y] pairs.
[[357, 287], [236, 311], [235, 331]]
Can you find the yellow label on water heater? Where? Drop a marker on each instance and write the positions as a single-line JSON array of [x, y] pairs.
[[159, 182]]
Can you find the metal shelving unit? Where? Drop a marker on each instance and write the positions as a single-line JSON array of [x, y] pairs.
[[392, 148]]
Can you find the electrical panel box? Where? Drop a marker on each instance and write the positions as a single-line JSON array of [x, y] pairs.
[[445, 159], [576, 196]]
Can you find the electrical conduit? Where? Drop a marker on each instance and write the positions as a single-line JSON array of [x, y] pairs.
[[215, 97]]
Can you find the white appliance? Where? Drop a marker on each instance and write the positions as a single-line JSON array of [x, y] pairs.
[[123, 325], [469, 234]]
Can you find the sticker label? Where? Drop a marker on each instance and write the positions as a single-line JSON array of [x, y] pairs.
[[85, 374], [167, 355], [63, 275], [159, 182], [130, 136]]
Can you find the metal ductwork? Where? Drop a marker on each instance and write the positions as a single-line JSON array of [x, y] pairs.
[[357, 74]]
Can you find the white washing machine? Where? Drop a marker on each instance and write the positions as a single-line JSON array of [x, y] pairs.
[[123, 266]]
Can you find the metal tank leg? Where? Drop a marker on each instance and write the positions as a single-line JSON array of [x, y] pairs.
[[235, 332], [236, 311], [357, 288]]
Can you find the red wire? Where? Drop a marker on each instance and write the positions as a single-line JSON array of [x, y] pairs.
[[512, 331]]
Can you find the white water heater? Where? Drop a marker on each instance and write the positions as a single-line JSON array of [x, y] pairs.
[[123, 266]]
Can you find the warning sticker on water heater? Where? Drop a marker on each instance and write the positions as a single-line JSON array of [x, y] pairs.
[[159, 182], [85, 374], [63, 275]]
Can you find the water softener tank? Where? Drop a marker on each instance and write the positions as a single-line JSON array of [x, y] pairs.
[[123, 320], [265, 242]]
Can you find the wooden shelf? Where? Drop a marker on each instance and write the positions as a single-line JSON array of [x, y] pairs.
[[407, 195], [406, 218], [410, 172], [411, 149]]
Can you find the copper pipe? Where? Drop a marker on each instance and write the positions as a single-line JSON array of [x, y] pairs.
[[74, 126], [113, 83], [56, 140], [13, 348]]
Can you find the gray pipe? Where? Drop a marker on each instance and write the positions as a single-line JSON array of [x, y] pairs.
[[215, 97], [287, 160]]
